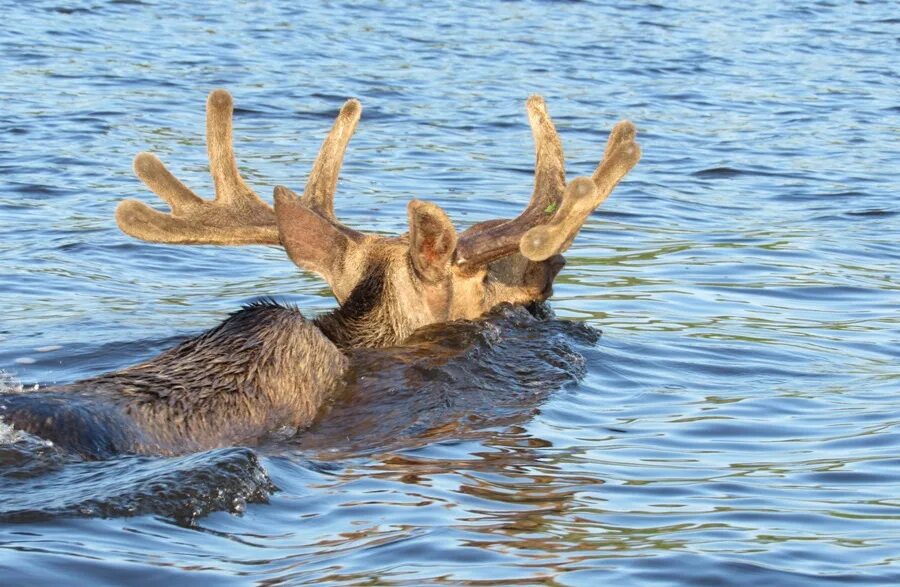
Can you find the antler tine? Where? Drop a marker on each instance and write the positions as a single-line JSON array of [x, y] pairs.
[[485, 243], [322, 183], [160, 180], [230, 186], [237, 216], [583, 196], [549, 162]]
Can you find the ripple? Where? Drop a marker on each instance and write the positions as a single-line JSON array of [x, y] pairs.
[[737, 422], [184, 489]]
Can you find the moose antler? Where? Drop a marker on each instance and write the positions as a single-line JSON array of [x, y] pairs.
[[306, 225], [236, 216], [556, 211], [583, 196]]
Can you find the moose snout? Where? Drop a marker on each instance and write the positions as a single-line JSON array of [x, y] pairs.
[[556, 263], [546, 272]]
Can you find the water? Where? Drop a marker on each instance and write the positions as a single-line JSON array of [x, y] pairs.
[[737, 423]]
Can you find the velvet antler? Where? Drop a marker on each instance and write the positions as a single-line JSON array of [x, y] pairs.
[[237, 215], [556, 211]]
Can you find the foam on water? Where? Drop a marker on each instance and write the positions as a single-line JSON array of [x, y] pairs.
[[8, 384]]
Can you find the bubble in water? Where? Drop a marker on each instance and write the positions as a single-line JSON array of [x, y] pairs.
[[8, 383]]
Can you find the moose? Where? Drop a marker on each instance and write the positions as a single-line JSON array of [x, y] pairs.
[[267, 367]]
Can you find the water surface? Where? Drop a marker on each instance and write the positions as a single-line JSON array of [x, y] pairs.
[[738, 422]]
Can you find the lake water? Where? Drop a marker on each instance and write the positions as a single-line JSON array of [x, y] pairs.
[[738, 421]]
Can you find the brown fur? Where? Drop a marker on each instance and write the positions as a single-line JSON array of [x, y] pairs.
[[264, 368]]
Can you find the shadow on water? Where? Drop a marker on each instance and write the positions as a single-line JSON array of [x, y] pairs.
[[447, 381]]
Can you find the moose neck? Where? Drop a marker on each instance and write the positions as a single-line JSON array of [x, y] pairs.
[[367, 318]]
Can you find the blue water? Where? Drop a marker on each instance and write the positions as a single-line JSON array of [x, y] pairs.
[[738, 422]]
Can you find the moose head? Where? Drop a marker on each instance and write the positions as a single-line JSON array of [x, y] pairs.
[[386, 286]]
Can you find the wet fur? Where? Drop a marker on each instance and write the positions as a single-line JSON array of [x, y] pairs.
[[371, 316], [263, 368]]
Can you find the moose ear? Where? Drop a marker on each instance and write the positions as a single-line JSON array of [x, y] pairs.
[[312, 242], [432, 240]]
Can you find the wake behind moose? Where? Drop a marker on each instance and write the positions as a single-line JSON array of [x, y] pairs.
[[268, 367]]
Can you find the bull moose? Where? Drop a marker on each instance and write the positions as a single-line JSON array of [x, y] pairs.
[[267, 366]]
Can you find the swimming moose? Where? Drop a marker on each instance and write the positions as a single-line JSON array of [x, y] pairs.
[[267, 366]]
